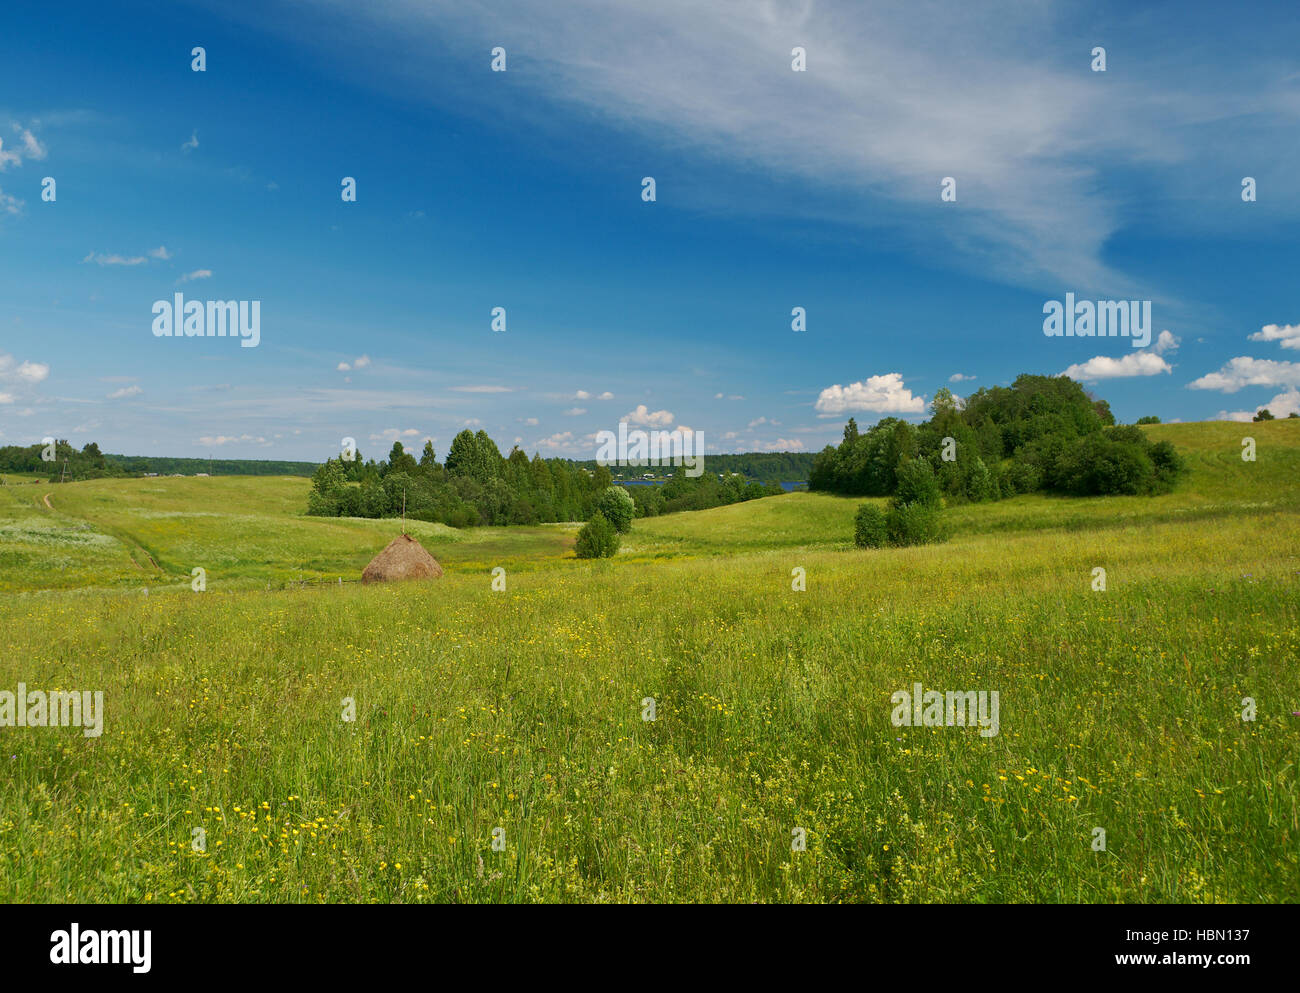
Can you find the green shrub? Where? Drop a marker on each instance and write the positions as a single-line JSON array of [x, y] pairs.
[[869, 530], [617, 506], [913, 524], [918, 484], [597, 539]]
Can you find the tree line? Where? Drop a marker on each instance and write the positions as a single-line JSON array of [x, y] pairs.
[[478, 485], [1043, 433]]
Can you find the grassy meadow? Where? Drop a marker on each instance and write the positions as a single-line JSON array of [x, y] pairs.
[[522, 710]]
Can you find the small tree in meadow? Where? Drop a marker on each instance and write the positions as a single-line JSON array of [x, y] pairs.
[[597, 539], [618, 507], [869, 529]]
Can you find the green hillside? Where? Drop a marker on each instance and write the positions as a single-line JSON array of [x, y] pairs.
[[522, 710]]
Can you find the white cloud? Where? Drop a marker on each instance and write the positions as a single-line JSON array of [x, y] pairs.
[[361, 362], [575, 411], [6, 398], [582, 395], [1141, 363], [1287, 334], [25, 372], [877, 394], [124, 392], [1282, 405], [30, 147], [530, 421], [781, 445], [192, 144], [1247, 371], [99, 258], [990, 79], [102, 259], [562, 440], [343, 367], [648, 418], [196, 274], [1144, 363], [958, 377], [394, 434], [31, 144], [10, 205]]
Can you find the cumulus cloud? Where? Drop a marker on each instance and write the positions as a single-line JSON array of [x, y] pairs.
[[1287, 334], [395, 434], [25, 372], [958, 377], [562, 440], [1282, 405], [358, 363], [645, 417], [781, 445], [1144, 363], [1246, 371], [876, 394]]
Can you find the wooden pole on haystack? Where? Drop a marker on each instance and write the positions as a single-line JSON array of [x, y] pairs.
[[403, 511]]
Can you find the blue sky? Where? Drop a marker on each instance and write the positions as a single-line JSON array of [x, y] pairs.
[[522, 189]]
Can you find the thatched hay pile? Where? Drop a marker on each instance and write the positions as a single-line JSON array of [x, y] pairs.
[[404, 558]]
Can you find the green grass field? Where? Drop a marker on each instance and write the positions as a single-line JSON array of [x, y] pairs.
[[522, 710]]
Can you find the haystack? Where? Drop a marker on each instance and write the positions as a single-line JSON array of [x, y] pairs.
[[404, 558]]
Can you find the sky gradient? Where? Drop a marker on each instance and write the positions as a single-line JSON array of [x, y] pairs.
[[522, 189]]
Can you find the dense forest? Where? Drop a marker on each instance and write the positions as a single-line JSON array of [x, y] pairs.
[[90, 463], [165, 465], [478, 485], [67, 462], [1043, 433]]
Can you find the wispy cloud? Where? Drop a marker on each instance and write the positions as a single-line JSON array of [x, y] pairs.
[[100, 258], [192, 144], [978, 94]]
